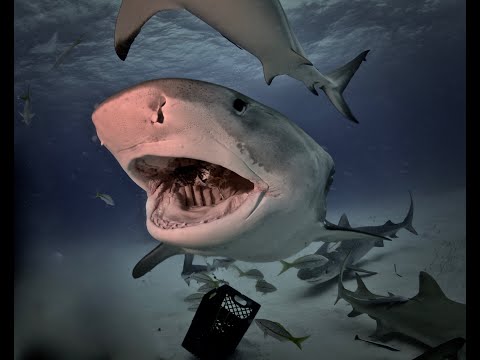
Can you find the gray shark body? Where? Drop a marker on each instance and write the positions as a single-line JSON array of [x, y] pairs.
[[335, 253], [429, 317], [259, 27]]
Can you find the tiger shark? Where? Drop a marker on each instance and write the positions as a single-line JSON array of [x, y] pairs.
[[224, 174], [259, 27]]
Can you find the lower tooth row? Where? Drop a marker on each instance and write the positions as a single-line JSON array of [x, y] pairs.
[[166, 224]]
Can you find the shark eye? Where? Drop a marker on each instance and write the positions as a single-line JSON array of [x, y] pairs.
[[240, 106]]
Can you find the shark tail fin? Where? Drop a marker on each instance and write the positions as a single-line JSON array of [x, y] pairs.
[[298, 341], [133, 14], [408, 219], [285, 266], [341, 288], [338, 80]]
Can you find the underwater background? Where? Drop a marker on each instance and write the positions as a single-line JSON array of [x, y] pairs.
[[74, 254]]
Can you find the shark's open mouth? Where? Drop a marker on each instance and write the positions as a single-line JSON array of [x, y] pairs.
[[188, 192]]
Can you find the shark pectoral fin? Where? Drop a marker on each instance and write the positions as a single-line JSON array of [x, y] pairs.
[[21, 114], [379, 243], [394, 236], [153, 258], [334, 233], [382, 332], [353, 268], [133, 14], [354, 313], [273, 67]]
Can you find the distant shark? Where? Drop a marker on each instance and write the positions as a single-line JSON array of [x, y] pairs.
[[429, 317], [46, 48], [224, 174], [259, 27], [336, 252], [27, 114]]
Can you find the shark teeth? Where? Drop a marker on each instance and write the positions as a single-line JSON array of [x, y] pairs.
[[169, 224]]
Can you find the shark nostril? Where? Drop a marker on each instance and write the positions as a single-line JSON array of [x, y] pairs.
[[159, 117]]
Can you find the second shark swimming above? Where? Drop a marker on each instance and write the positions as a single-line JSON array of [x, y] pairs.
[[260, 27]]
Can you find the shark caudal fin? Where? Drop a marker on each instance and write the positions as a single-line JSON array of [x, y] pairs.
[[341, 288], [338, 81], [133, 14], [407, 222]]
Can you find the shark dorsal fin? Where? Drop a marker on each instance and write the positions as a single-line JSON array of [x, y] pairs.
[[344, 221], [391, 294], [389, 222], [428, 287], [361, 288]]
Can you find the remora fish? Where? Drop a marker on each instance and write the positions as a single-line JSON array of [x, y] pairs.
[[214, 188], [335, 253], [429, 317], [259, 27], [376, 344]]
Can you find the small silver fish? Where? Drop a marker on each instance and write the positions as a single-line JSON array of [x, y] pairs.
[[278, 332], [202, 277], [304, 262], [194, 297], [251, 274], [222, 263], [264, 287], [207, 287], [194, 306], [106, 198]]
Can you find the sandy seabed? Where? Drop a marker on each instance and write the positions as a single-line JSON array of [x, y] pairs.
[[85, 303]]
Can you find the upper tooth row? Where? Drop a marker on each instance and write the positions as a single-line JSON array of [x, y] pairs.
[[200, 195]]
